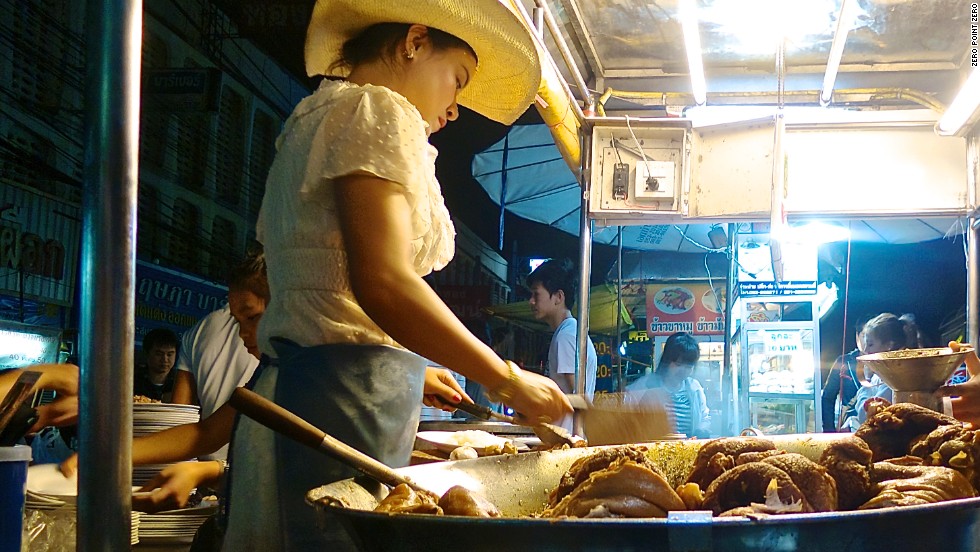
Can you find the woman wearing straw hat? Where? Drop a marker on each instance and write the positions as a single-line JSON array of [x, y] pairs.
[[352, 218]]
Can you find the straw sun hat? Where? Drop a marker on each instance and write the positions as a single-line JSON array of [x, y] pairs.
[[508, 68]]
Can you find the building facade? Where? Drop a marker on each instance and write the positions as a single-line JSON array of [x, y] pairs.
[[212, 105]]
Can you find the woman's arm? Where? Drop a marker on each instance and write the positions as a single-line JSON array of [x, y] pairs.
[[185, 388], [177, 443], [185, 441], [375, 220]]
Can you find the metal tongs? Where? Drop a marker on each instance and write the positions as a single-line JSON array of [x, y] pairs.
[[550, 434]]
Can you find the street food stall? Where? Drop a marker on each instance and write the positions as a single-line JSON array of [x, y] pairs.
[[635, 124], [841, 119]]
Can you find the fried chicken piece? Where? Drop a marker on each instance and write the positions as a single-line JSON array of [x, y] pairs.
[[911, 485], [952, 446], [582, 468], [747, 457], [624, 489], [848, 461], [745, 484], [404, 500], [718, 456], [691, 494], [890, 432], [460, 501], [818, 487], [895, 468]]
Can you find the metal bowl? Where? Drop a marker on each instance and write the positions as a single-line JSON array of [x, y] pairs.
[[916, 369], [519, 485]]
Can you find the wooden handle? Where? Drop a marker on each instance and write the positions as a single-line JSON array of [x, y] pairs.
[[276, 418], [282, 421]]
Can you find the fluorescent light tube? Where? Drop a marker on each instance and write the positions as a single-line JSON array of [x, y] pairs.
[[844, 21], [965, 109], [692, 43]]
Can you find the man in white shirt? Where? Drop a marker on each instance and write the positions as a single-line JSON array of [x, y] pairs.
[[553, 286], [220, 352]]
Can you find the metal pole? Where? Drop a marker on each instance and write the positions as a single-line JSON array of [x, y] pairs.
[[585, 268], [566, 55], [573, 103], [729, 394], [619, 310], [973, 243], [503, 191], [108, 260]]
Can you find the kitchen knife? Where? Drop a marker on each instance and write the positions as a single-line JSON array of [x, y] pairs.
[[549, 434]]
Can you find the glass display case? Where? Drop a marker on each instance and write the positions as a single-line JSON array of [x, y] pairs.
[[779, 382]]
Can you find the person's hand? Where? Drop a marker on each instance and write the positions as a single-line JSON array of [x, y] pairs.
[[966, 396], [70, 465], [537, 399], [62, 378], [441, 390], [171, 488], [63, 411]]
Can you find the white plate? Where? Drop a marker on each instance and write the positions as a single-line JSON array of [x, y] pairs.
[[484, 443], [47, 479]]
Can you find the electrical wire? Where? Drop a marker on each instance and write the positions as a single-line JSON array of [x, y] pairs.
[[638, 146], [718, 303]]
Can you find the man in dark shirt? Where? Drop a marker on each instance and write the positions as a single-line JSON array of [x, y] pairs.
[[842, 384], [155, 378]]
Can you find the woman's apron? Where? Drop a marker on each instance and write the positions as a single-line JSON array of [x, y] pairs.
[[367, 396]]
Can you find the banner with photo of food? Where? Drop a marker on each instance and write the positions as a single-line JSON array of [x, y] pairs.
[[693, 308]]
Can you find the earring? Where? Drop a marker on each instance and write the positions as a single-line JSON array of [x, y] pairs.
[[409, 54]]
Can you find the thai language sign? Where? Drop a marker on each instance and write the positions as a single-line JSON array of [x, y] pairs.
[[693, 308], [170, 299]]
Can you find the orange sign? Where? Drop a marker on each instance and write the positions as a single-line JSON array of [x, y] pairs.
[[691, 308]]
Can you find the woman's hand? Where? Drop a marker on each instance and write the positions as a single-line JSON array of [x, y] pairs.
[[966, 396], [441, 390], [171, 488], [538, 399], [70, 465]]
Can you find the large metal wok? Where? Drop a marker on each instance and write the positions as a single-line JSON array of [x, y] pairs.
[[519, 485]]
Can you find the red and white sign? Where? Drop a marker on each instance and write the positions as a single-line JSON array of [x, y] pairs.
[[691, 308]]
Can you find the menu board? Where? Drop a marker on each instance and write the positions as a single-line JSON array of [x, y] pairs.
[[22, 345], [697, 309]]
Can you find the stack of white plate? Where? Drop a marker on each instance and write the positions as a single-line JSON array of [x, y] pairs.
[[134, 527], [149, 418], [174, 526], [56, 496], [153, 417]]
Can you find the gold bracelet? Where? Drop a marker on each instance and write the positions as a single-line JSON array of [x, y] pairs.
[[505, 391]]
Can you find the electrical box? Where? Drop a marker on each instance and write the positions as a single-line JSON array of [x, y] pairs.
[[667, 171], [637, 167]]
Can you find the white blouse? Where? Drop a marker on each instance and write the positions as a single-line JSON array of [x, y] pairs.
[[340, 129]]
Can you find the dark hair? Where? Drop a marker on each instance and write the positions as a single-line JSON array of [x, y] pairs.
[[680, 347], [250, 274], [861, 322], [160, 337], [554, 275], [380, 42], [888, 328], [913, 333]]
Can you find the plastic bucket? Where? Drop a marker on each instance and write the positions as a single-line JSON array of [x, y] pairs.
[[13, 485]]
